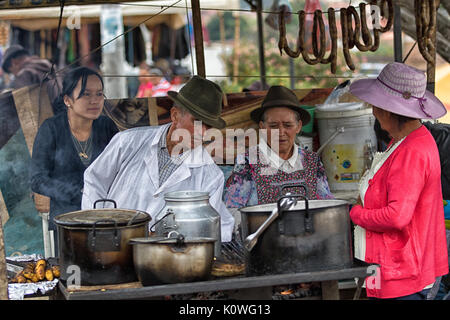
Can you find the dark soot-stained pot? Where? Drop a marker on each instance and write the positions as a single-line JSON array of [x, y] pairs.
[[95, 242], [313, 235]]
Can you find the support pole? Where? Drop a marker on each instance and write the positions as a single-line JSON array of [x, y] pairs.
[[398, 54], [262, 64], [431, 67], [3, 275], [198, 38], [236, 47], [113, 54], [222, 29], [292, 73]]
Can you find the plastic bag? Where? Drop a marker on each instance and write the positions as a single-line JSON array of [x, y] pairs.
[[333, 102], [337, 92]]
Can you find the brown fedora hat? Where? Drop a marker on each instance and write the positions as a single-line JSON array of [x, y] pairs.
[[279, 96], [203, 99]]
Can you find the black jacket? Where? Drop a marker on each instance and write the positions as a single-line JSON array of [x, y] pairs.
[[441, 134], [56, 169]]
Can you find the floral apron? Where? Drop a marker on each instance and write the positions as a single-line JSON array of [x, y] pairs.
[[268, 186]]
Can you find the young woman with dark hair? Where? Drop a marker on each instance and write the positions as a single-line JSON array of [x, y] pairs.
[[69, 142]]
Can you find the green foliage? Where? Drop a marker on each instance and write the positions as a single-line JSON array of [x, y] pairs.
[[229, 23], [278, 69]]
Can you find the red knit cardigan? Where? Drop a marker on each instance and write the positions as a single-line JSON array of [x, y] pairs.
[[404, 219]]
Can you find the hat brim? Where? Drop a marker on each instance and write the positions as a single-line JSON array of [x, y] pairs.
[[256, 114], [218, 123], [8, 58], [371, 91]]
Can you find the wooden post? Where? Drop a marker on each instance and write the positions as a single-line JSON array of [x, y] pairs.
[[3, 275], [262, 63], [236, 47], [222, 28], [292, 73], [398, 54], [330, 290], [152, 111], [431, 67], [198, 38], [113, 54]]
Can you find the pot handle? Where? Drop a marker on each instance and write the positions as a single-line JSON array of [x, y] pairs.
[[308, 219], [116, 240], [291, 185], [180, 237], [105, 200], [168, 212]]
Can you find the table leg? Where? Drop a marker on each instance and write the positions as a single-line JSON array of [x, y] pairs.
[[330, 290], [358, 288]]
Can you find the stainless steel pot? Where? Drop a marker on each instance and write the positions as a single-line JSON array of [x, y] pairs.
[[96, 243], [189, 213], [160, 260], [312, 235]]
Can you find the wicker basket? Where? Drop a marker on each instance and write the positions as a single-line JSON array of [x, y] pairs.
[[41, 202]]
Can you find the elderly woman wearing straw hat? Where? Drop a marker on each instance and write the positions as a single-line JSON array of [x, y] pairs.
[[399, 215], [277, 160]]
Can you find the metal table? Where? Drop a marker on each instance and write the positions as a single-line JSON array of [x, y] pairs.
[[328, 278]]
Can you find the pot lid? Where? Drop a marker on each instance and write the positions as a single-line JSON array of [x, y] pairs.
[[300, 205], [186, 195], [102, 218], [165, 240]]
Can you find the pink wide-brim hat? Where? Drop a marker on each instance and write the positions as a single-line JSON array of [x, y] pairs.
[[400, 89]]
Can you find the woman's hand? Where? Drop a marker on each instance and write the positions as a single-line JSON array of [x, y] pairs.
[[359, 202]]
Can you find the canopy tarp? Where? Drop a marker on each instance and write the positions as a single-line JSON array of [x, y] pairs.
[[133, 13]]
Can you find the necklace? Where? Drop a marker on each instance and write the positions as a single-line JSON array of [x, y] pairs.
[[82, 150]]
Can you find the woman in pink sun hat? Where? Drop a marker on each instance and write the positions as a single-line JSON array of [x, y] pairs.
[[399, 216]]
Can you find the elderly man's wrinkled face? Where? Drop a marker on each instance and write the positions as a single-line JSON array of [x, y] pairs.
[[184, 129], [282, 123]]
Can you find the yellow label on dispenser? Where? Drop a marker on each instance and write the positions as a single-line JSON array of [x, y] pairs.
[[343, 163]]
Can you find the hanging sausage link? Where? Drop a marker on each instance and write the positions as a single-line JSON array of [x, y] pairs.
[[332, 58], [345, 39], [365, 32], [350, 35], [352, 14], [425, 13], [282, 41], [318, 23]]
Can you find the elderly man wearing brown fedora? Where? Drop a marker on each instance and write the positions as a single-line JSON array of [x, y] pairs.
[[141, 164]]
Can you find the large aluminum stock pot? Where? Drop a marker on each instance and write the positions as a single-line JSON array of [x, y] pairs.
[[96, 242], [312, 235]]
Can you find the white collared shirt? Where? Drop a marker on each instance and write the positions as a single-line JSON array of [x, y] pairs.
[[269, 156], [127, 172]]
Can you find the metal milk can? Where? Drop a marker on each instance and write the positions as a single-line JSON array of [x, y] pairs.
[[189, 213]]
